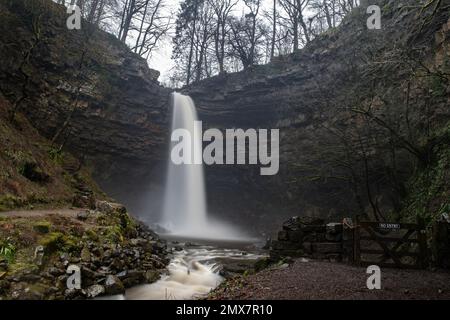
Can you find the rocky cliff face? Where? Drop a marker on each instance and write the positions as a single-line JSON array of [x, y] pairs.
[[312, 95], [110, 104]]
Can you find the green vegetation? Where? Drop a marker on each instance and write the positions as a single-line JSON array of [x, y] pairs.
[[8, 201], [262, 264], [57, 241], [56, 155], [116, 226], [7, 250], [430, 189], [42, 226]]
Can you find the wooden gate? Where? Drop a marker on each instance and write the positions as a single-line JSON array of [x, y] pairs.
[[397, 245]]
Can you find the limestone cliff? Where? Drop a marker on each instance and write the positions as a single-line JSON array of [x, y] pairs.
[[115, 113], [110, 104], [316, 96]]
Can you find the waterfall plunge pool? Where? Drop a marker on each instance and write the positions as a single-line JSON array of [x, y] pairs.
[[194, 270]]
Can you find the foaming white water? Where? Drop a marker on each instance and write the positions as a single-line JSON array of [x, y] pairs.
[[185, 212], [192, 274]]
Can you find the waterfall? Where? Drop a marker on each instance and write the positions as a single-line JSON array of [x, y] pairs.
[[185, 212], [185, 202]]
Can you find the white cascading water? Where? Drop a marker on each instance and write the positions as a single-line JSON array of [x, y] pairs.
[[185, 212], [192, 272], [185, 203]]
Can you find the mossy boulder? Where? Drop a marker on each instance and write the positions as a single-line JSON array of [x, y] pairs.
[[152, 275], [113, 285], [42, 227], [85, 255], [57, 241]]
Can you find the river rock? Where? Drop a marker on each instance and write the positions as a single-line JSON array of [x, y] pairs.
[[95, 291], [132, 277], [113, 285], [83, 215], [3, 264], [152, 275], [85, 255], [55, 272]]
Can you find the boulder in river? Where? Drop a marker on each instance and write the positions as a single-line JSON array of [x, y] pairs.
[[95, 291], [113, 285]]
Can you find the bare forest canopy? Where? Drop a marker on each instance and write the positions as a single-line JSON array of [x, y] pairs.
[[210, 37]]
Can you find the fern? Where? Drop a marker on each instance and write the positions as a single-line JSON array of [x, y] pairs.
[[7, 250]]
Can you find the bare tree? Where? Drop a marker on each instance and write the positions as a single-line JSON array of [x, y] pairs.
[[203, 37], [295, 10], [222, 10], [153, 26], [246, 34], [274, 29], [130, 9]]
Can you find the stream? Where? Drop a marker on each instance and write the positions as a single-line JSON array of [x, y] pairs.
[[195, 270]]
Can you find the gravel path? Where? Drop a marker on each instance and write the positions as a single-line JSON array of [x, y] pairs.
[[326, 280], [41, 213]]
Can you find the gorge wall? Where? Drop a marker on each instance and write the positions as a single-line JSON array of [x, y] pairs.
[[110, 104], [116, 116], [332, 101]]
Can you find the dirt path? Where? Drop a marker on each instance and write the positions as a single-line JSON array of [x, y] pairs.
[[41, 213], [325, 280]]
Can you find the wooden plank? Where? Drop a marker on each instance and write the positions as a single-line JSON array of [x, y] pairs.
[[422, 237], [403, 240], [398, 253], [396, 226], [389, 239]]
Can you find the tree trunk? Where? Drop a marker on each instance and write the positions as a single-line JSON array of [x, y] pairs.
[[141, 28], [128, 18], [122, 19], [274, 30], [191, 49], [93, 10], [327, 14], [295, 35]]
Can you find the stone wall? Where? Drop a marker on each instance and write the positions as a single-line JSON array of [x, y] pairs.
[[308, 237]]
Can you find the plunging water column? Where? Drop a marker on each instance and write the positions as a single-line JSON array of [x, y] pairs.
[[185, 203], [185, 212]]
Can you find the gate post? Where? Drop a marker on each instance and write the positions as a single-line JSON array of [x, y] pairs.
[[422, 238], [347, 240], [441, 244]]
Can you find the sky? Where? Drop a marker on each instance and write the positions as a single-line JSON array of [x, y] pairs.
[[161, 57]]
